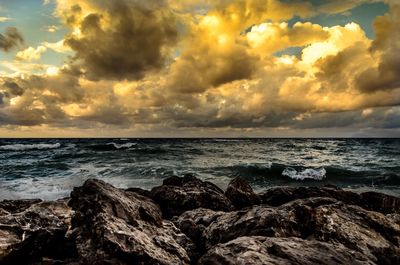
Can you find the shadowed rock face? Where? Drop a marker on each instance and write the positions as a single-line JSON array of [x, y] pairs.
[[369, 233], [241, 194], [372, 201], [31, 229], [105, 225], [122, 227], [259, 250], [178, 195]]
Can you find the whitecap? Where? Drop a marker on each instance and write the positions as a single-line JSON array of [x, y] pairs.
[[123, 146], [22, 147], [308, 173]]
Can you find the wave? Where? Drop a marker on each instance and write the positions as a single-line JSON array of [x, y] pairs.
[[281, 173], [126, 146], [23, 147], [308, 173], [111, 146]]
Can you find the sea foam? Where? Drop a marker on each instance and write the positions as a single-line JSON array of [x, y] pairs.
[[308, 173], [22, 147]]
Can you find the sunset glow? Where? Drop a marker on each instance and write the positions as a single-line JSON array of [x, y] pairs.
[[165, 68]]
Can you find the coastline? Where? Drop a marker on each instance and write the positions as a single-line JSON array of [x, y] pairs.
[[189, 221]]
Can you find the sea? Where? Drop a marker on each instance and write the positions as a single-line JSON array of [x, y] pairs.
[[50, 168]]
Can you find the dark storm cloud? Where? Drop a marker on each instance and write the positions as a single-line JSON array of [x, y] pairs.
[[13, 88], [125, 41], [10, 39], [386, 47]]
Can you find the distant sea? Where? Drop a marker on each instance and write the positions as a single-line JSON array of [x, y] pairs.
[[50, 168]]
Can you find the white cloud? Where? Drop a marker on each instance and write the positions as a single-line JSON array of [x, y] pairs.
[[31, 54]]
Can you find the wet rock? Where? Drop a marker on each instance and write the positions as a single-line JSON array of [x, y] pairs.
[[191, 194], [265, 250], [240, 193], [112, 226], [32, 230]]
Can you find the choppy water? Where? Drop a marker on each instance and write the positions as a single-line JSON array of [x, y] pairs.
[[49, 169]]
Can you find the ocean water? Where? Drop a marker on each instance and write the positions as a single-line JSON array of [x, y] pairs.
[[50, 168]]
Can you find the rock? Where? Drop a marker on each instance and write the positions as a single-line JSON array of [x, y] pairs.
[[240, 193], [173, 181], [191, 194], [380, 202], [264, 250], [33, 230], [322, 219], [193, 223], [145, 193], [106, 225], [372, 201], [281, 195], [15, 206], [112, 226]]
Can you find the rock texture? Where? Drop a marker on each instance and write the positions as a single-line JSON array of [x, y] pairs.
[[32, 230], [369, 200], [259, 250], [119, 227], [189, 221], [178, 195], [241, 194]]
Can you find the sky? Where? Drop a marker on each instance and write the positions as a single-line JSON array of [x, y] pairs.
[[209, 68]]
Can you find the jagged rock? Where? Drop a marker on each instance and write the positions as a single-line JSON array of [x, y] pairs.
[[187, 193], [15, 206], [240, 193], [281, 195], [373, 201], [115, 226], [193, 223], [145, 193], [380, 202], [283, 251], [324, 219], [32, 230], [112, 226]]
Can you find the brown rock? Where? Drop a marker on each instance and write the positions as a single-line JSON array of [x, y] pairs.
[[240, 193], [31, 230], [192, 194], [281, 251], [112, 226]]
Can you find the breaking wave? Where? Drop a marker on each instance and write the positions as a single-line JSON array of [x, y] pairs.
[[308, 173]]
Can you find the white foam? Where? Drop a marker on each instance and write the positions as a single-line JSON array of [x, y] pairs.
[[308, 173], [22, 147], [123, 146]]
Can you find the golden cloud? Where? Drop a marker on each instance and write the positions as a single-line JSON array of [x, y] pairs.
[[208, 64]]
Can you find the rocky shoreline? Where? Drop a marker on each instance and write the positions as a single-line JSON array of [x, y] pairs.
[[188, 221]]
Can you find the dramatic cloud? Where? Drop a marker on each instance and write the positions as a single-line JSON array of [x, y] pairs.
[[11, 39], [385, 48], [206, 68], [119, 39]]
